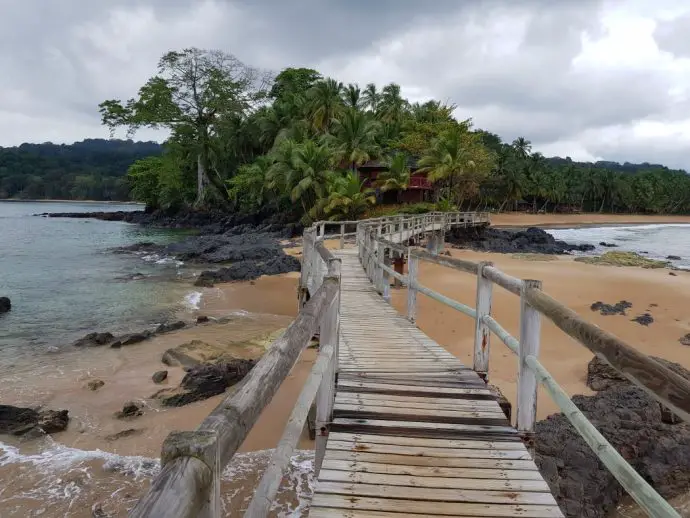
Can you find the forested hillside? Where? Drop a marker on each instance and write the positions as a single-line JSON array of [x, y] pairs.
[[94, 169]]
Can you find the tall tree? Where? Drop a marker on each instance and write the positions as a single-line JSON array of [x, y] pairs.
[[194, 89], [397, 176], [371, 97], [352, 97], [355, 137], [325, 103]]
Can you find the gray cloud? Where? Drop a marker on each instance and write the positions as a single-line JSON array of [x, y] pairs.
[[513, 67]]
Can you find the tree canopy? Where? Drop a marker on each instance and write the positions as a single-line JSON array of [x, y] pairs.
[[294, 144]]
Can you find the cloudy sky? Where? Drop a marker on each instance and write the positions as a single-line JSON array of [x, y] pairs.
[[591, 79]]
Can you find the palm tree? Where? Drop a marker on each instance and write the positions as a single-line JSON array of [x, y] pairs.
[[352, 97], [512, 177], [347, 198], [522, 147], [392, 105], [324, 103], [449, 161], [371, 97], [397, 176], [311, 169], [355, 136]]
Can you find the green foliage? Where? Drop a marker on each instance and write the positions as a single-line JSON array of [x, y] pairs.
[[294, 146], [93, 169], [157, 181]]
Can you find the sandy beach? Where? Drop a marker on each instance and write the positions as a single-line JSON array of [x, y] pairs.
[[269, 303], [523, 219]]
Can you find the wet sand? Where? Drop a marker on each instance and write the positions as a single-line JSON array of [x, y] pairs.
[[522, 219]]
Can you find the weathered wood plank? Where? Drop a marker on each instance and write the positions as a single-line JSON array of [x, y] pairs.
[[481, 484], [431, 443], [431, 471], [436, 495], [468, 416], [423, 451], [449, 462]]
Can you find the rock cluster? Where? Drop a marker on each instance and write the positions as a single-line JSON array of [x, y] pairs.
[[648, 436], [532, 240], [28, 421], [97, 339], [5, 304]]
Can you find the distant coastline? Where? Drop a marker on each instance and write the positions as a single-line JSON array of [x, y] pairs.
[[45, 200]]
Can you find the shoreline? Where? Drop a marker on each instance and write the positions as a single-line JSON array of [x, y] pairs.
[[95, 202], [510, 220]]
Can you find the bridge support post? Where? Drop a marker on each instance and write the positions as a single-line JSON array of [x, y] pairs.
[[435, 242], [342, 236], [308, 252], [325, 397], [412, 266], [530, 331], [482, 333], [399, 267], [386, 287], [378, 271]]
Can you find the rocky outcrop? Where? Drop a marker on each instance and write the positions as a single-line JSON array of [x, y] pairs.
[[644, 319], [5, 304], [159, 377], [192, 353], [618, 308], [130, 410], [97, 339], [205, 381], [94, 340], [94, 384], [685, 340], [28, 421], [247, 270], [632, 422], [607, 245], [532, 240]]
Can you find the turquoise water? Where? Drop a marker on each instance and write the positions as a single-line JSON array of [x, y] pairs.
[[64, 281]]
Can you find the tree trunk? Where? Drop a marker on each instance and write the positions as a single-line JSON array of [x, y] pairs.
[[200, 180]]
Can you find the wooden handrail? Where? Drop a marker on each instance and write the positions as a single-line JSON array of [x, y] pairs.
[[192, 461]]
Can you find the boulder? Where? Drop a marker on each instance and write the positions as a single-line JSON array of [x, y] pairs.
[[685, 340], [631, 421], [607, 245], [169, 327], [131, 339], [202, 319], [192, 353], [644, 319], [531, 240], [123, 433], [21, 421], [205, 381], [247, 270], [94, 340], [611, 309], [5, 304], [674, 257], [94, 384], [601, 376], [160, 376], [130, 410]]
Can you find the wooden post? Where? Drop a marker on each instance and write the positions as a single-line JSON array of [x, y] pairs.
[[308, 252], [412, 265], [197, 454], [530, 331], [378, 279], [386, 278], [342, 236], [482, 333], [399, 267], [325, 397]]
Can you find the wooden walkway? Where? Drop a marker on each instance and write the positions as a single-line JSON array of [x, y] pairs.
[[415, 432]]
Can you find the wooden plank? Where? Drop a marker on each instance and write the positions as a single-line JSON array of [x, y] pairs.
[[350, 512], [435, 495], [423, 451], [431, 471], [353, 398], [441, 391], [430, 443], [398, 427], [359, 477], [467, 416]]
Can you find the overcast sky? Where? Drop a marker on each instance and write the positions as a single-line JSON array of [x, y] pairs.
[[590, 79]]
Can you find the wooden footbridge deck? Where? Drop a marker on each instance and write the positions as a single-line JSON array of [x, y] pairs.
[[403, 428], [414, 431]]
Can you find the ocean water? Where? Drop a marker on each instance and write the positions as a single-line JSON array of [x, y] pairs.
[[63, 279], [653, 241]]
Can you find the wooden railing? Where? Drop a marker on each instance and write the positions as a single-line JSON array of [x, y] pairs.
[[188, 484], [378, 241]]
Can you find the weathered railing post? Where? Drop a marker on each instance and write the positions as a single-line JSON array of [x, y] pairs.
[[412, 266], [325, 397], [386, 277], [530, 331], [342, 236], [482, 333], [308, 252], [378, 270]]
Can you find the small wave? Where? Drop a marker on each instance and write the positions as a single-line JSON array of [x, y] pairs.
[[193, 300], [158, 259]]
